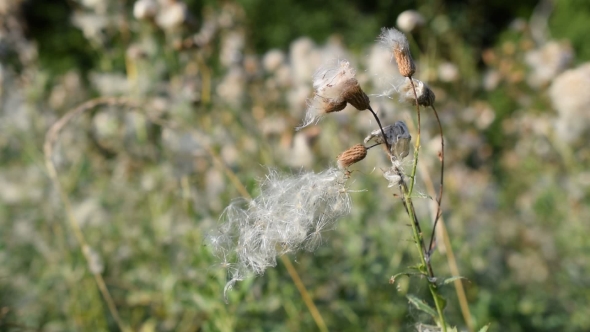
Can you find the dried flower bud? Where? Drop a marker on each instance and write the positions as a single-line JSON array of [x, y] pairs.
[[351, 156], [425, 96], [398, 136], [354, 95], [397, 41]]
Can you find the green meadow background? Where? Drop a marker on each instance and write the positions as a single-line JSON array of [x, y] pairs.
[[197, 103]]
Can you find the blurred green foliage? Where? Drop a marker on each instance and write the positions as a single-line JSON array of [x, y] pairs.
[[516, 201]]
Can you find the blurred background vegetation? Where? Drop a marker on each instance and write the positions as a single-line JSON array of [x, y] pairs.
[[227, 82]]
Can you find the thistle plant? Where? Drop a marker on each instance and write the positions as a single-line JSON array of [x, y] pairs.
[[292, 211]]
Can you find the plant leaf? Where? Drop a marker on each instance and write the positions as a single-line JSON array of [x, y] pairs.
[[421, 305], [485, 328], [451, 279]]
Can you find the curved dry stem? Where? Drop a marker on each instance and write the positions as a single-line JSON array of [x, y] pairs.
[[440, 189], [50, 139], [381, 127], [451, 261]]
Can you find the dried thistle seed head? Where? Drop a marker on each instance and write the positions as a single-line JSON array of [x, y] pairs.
[[334, 86], [354, 95], [330, 80], [330, 106], [397, 135], [351, 156], [425, 96], [398, 43], [318, 107]]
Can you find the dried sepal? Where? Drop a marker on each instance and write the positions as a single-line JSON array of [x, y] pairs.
[[425, 95], [397, 135], [351, 156]]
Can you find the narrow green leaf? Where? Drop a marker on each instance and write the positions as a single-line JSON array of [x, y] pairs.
[[451, 279], [421, 305], [485, 328], [442, 301]]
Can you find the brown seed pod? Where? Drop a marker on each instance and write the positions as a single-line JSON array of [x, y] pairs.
[[354, 95], [351, 156], [404, 60]]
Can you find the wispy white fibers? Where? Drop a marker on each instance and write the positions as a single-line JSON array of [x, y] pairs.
[[289, 214]]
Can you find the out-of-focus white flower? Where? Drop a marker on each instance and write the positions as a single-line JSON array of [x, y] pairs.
[[92, 25], [409, 20], [547, 62], [231, 89], [304, 58], [570, 97], [145, 9], [290, 214], [335, 85], [110, 84], [172, 15], [273, 60], [231, 48], [448, 72], [99, 6]]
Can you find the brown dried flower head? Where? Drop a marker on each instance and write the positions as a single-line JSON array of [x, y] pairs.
[[351, 156], [354, 95], [397, 41], [335, 86]]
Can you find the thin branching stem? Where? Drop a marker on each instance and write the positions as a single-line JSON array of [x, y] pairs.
[[418, 237], [50, 139], [440, 189], [381, 127]]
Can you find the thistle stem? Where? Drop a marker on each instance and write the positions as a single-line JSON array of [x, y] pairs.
[[381, 127], [440, 189], [425, 266]]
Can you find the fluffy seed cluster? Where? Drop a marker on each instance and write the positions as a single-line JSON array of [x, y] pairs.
[[398, 136], [425, 96], [396, 41], [335, 86], [289, 214]]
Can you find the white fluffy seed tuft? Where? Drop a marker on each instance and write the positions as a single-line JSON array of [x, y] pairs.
[[290, 214]]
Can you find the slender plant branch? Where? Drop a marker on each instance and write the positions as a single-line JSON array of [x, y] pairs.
[[382, 131], [418, 238], [50, 139], [440, 189], [451, 261]]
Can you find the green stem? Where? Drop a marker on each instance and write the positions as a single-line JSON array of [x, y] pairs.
[[425, 267], [417, 232]]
